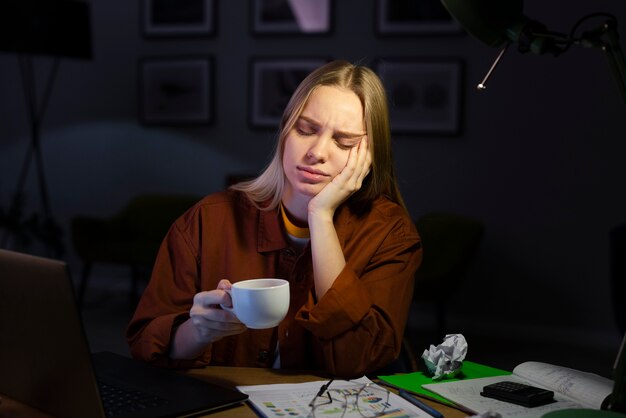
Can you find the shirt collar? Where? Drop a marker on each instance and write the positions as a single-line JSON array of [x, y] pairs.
[[270, 233]]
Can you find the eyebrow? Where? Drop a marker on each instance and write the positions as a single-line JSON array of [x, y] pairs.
[[338, 134]]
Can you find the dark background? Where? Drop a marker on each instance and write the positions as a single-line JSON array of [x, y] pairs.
[[540, 158]]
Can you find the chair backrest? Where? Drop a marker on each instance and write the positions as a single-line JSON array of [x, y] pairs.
[[132, 235], [449, 243], [149, 216]]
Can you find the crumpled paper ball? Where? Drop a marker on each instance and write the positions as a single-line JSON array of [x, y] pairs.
[[445, 360]]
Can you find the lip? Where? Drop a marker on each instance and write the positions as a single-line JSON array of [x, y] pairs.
[[310, 173]]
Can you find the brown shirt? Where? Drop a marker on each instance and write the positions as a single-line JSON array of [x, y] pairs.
[[356, 328]]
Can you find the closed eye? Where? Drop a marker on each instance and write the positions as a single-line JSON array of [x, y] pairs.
[[305, 128], [305, 132], [345, 143]]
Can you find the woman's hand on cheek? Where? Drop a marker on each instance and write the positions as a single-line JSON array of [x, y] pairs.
[[347, 182]]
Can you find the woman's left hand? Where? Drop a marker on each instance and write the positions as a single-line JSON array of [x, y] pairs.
[[347, 182], [327, 255]]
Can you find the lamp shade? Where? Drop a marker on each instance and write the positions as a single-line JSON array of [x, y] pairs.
[[490, 21], [48, 27]]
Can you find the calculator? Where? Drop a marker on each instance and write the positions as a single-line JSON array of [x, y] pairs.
[[518, 393]]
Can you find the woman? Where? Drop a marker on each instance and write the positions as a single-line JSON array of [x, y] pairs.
[[326, 214]]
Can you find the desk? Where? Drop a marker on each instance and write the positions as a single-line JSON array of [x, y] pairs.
[[225, 376]]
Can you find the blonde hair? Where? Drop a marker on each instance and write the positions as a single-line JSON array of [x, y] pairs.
[[267, 189]]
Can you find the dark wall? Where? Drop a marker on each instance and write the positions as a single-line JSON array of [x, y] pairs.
[[539, 159]]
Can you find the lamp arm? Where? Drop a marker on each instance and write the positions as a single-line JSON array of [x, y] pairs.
[[483, 84], [615, 56], [611, 49], [616, 62]]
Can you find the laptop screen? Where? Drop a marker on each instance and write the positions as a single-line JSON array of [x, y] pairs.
[[45, 361]]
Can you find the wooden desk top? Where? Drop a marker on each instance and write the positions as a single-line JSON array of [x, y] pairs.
[[225, 376]]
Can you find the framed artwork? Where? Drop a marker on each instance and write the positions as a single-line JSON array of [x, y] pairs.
[[176, 90], [272, 82], [411, 17], [424, 95], [305, 17], [171, 18]]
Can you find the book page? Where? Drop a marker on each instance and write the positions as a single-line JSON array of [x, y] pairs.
[[587, 388], [467, 394]]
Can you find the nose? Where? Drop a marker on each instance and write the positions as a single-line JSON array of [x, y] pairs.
[[318, 150]]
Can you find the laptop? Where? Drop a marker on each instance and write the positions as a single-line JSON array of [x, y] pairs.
[[45, 361]]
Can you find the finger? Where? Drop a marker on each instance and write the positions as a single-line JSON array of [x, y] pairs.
[[361, 165], [207, 326], [365, 156], [216, 330], [348, 172], [365, 162], [220, 317], [214, 314], [224, 285], [211, 297]]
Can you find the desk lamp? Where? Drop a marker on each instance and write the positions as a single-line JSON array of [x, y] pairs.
[[499, 23]]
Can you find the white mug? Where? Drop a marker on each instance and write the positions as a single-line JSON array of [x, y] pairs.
[[260, 303]]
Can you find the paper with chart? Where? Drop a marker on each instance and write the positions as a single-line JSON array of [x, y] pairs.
[[292, 401], [572, 389]]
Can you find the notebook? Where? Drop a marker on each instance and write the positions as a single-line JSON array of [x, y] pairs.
[[45, 361]]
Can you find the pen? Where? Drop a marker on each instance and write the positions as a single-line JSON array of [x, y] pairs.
[[420, 404], [320, 392]]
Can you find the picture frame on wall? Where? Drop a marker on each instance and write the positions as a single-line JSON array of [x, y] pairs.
[[178, 18], [425, 95], [410, 17], [176, 90], [272, 82], [301, 17]]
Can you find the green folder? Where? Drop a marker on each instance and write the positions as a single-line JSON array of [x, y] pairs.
[[413, 382]]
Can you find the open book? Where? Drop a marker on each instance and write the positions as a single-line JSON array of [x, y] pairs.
[[572, 389]]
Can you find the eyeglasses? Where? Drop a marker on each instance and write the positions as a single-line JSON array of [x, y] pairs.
[[365, 399]]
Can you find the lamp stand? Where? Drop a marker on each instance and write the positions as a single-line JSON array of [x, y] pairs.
[[46, 229]]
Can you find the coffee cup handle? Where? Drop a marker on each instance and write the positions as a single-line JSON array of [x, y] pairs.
[[228, 308]]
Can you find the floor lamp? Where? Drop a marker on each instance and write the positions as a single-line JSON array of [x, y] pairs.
[[55, 28]]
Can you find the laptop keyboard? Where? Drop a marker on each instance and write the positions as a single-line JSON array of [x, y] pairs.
[[120, 401]]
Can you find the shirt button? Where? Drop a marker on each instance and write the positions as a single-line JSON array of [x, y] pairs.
[[263, 356], [289, 252]]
